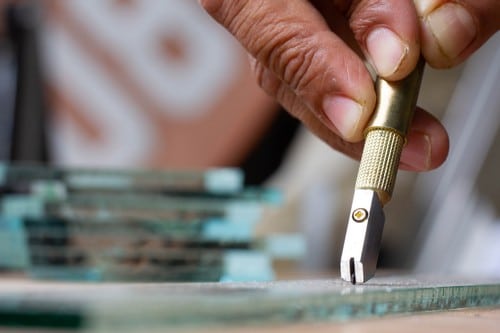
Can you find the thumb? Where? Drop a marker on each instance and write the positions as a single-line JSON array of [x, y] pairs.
[[453, 30], [388, 33]]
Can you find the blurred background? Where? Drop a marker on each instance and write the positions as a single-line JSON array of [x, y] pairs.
[[158, 84]]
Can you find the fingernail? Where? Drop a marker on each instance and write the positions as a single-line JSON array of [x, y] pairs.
[[417, 153], [453, 28], [344, 113], [424, 6], [386, 49]]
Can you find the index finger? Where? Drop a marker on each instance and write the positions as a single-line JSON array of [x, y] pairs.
[[292, 39]]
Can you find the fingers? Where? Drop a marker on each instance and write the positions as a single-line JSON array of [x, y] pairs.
[[427, 146], [453, 30], [274, 86], [388, 32], [320, 80], [293, 41], [428, 143]]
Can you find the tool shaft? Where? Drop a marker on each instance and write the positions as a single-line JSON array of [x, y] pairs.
[[379, 163], [386, 133], [385, 138]]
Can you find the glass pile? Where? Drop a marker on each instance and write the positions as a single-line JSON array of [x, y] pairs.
[[135, 225]]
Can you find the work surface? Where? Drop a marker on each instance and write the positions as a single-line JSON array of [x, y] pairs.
[[285, 305]]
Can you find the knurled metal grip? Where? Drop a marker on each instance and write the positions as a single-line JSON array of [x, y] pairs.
[[379, 162], [386, 133]]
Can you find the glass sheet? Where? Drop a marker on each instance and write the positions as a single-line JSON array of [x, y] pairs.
[[45, 179], [130, 206], [143, 307], [215, 265]]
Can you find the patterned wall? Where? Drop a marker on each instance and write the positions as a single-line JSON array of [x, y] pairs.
[[147, 82]]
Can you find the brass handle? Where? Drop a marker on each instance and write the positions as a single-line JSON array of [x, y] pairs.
[[386, 133]]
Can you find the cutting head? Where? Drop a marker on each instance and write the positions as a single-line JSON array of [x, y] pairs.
[[363, 236]]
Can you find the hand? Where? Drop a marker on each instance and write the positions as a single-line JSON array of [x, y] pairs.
[[309, 55]]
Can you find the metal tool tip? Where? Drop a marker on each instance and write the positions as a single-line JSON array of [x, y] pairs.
[[362, 241], [352, 271]]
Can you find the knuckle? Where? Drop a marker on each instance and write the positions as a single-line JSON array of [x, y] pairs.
[[297, 64], [265, 78], [293, 55], [288, 47]]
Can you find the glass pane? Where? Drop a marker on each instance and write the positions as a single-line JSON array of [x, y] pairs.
[[135, 307]]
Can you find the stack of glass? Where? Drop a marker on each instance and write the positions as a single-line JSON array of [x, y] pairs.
[[135, 225]]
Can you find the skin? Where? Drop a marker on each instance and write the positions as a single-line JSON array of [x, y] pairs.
[[309, 56]]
